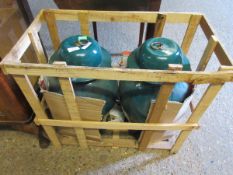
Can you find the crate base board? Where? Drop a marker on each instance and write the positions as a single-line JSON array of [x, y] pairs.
[[110, 142]]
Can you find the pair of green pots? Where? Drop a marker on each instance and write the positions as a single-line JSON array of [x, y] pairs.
[[135, 97]]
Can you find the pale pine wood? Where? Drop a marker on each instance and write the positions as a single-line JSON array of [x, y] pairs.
[[31, 96], [118, 125], [220, 52], [159, 26], [199, 110], [23, 43], [84, 23], [35, 40], [168, 116], [90, 110], [115, 138], [118, 73], [156, 113], [119, 16], [72, 107], [223, 56], [190, 32], [106, 142], [212, 43], [53, 30]]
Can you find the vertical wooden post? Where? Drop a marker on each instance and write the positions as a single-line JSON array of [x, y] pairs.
[[190, 32], [35, 40], [84, 23], [141, 33], [159, 25], [115, 138], [201, 107], [212, 43], [158, 108], [52, 26], [32, 98], [67, 89], [203, 104]]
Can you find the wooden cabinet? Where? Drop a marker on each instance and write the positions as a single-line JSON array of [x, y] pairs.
[[14, 109], [119, 5]]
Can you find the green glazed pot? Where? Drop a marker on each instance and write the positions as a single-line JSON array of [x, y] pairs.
[[85, 51], [136, 96]]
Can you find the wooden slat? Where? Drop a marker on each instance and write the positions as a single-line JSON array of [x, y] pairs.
[[120, 16], [159, 26], [190, 32], [118, 125], [118, 73], [106, 142], [35, 40], [53, 31], [220, 52], [207, 53], [156, 113], [199, 110], [84, 23], [204, 103], [72, 107], [223, 56], [206, 28], [69, 96], [115, 138], [90, 109], [158, 109], [31, 96], [24, 42]]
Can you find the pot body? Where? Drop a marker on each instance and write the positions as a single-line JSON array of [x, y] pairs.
[[93, 56], [136, 96]]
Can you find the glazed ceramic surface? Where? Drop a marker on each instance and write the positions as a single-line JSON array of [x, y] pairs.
[[155, 53], [84, 51]]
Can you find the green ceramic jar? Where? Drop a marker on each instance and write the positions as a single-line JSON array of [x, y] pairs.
[[84, 51], [156, 54]]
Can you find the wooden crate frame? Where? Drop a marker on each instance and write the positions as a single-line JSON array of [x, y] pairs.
[[22, 71]]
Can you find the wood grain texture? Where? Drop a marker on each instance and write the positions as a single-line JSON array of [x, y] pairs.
[[84, 23], [160, 23], [89, 109], [118, 125], [199, 110], [118, 73], [190, 32], [53, 30], [158, 108], [11, 65], [212, 43], [31, 96], [36, 43]]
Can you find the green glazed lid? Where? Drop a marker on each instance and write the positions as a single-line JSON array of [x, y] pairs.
[[157, 53], [81, 50]]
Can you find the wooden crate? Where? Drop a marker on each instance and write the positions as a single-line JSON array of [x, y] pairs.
[[75, 107]]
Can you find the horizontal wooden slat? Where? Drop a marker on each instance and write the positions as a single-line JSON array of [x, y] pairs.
[[105, 142], [119, 16], [118, 74], [116, 125]]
